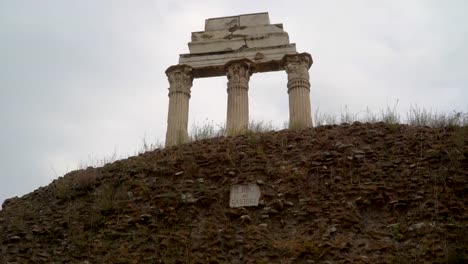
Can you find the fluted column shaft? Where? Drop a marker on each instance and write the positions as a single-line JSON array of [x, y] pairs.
[[180, 81], [238, 74], [297, 67]]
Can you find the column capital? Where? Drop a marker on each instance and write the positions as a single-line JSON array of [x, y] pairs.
[[297, 67], [303, 59], [239, 71], [180, 79]]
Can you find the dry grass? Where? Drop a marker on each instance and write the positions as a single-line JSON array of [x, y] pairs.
[[422, 117], [86, 179], [416, 116]]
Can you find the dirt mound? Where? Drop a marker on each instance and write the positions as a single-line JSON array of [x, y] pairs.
[[361, 193]]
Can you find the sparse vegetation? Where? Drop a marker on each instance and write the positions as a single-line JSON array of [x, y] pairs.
[[352, 193], [422, 117], [86, 179], [206, 130], [390, 115], [62, 187]]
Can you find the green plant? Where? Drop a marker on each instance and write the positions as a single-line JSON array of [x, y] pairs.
[[110, 199]]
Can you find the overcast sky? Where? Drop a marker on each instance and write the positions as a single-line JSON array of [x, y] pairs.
[[82, 80]]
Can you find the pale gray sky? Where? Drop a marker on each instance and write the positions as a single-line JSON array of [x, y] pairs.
[[81, 80]]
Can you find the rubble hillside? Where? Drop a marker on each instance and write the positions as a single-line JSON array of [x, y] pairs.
[[359, 193]]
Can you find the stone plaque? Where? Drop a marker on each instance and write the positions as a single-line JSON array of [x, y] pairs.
[[244, 195]]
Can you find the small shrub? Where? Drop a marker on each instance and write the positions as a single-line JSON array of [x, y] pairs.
[[62, 188], [390, 115], [206, 130], [261, 126], [422, 117], [109, 199], [86, 179]]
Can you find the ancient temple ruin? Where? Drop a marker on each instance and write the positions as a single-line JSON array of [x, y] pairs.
[[237, 47]]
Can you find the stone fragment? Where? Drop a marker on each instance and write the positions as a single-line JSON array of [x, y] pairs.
[[246, 218], [358, 151], [244, 195], [14, 239], [188, 198], [145, 217], [43, 255]]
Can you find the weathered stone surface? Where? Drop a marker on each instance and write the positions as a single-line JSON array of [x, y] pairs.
[[238, 38], [249, 36], [180, 80], [244, 195], [246, 20], [238, 46], [297, 67], [236, 32], [238, 73], [374, 213]]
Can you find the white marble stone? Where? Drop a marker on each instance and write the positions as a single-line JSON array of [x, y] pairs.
[[244, 195], [249, 36], [238, 73], [180, 81], [229, 40], [211, 65], [255, 19], [237, 47]]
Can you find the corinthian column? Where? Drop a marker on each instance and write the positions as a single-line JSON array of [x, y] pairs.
[[180, 81], [238, 73], [297, 67]]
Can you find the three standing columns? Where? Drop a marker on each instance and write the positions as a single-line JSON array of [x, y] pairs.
[[180, 81], [297, 67], [238, 74]]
